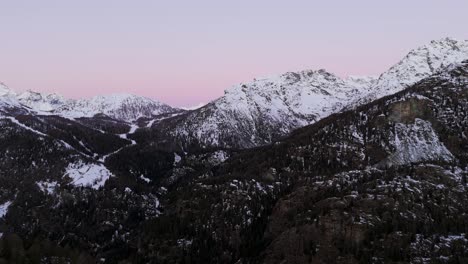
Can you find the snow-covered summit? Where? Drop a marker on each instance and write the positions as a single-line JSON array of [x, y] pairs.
[[418, 64]]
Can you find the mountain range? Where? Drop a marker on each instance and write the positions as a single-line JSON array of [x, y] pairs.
[[259, 112], [304, 167]]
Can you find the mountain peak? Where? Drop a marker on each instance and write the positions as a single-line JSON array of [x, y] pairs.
[[270, 107], [440, 49], [309, 75], [447, 41], [419, 63], [5, 90]]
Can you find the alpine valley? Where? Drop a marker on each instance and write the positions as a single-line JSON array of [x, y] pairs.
[[304, 167]]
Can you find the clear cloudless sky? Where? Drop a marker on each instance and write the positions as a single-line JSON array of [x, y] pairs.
[[187, 52]]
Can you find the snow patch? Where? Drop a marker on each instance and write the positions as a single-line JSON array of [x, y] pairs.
[[88, 174], [177, 158], [4, 208], [47, 187], [147, 180]]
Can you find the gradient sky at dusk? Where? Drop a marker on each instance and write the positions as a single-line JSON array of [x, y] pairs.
[[186, 52]]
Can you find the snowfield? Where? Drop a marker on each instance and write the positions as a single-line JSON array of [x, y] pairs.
[[4, 208], [88, 175]]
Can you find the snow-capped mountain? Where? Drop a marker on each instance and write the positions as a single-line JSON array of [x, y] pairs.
[[255, 113], [419, 63], [266, 109], [125, 107]]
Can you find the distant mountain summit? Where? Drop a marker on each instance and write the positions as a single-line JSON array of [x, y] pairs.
[[125, 107]]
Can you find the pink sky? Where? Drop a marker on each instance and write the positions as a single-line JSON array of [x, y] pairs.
[[187, 52]]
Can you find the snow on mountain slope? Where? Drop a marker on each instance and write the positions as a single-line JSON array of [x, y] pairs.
[[256, 113]]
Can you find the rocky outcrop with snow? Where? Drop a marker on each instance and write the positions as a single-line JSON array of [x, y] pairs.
[[414, 143]]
